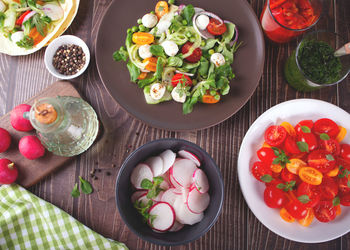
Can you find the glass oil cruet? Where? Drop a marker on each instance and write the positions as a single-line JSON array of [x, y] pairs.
[[66, 125]]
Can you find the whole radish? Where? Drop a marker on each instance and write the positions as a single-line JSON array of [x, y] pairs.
[[5, 140], [18, 122], [8, 171], [30, 147]]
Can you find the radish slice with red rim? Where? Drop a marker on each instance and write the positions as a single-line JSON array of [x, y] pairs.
[[200, 181], [190, 156], [162, 216], [170, 196], [182, 172], [136, 195], [168, 157], [184, 215], [156, 165], [158, 197], [174, 183], [141, 171], [197, 202], [143, 199], [176, 227]]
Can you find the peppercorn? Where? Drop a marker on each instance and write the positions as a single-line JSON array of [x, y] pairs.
[[69, 59]]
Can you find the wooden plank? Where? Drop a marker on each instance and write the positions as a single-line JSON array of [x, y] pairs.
[[32, 171]]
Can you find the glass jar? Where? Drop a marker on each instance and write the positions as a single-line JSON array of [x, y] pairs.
[[66, 125]]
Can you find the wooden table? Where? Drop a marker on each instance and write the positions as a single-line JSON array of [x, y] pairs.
[[237, 227]]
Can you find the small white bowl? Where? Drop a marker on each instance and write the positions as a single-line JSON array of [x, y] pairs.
[[52, 48]]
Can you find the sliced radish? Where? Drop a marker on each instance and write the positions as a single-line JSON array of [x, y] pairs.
[[137, 195], [55, 12], [140, 172], [197, 202], [164, 185], [176, 227], [200, 181], [188, 155], [143, 198], [158, 197], [169, 196], [168, 157], [164, 216], [184, 194], [182, 172], [178, 190], [184, 215], [173, 182], [156, 165]]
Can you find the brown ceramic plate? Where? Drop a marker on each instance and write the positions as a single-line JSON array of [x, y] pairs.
[[248, 65]]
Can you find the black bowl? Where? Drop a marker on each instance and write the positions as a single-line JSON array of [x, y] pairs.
[[188, 233]]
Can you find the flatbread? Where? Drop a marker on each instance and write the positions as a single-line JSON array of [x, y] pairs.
[[70, 8]]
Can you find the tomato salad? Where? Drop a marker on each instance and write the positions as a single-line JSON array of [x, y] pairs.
[[180, 53], [306, 170]]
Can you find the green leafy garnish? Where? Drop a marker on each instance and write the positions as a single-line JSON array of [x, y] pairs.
[[303, 146], [133, 70], [27, 42], [324, 137], [330, 157], [304, 199], [188, 13], [85, 186], [143, 208], [2, 19], [281, 157], [336, 201], [174, 61], [75, 192], [288, 186], [152, 187], [266, 178], [157, 50], [121, 54], [40, 23], [343, 172], [146, 184], [305, 129]]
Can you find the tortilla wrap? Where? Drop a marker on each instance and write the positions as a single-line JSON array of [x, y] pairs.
[[70, 8]]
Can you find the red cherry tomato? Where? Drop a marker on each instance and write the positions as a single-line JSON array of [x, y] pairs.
[[288, 176], [290, 145], [274, 197], [318, 159], [216, 28], [331, 145], [328, 189], [326, 126], [260, 169], [274, 182], [182, 79], [311, 191], [266, 155], [297, 209], [345, 200], [310, 139], [345, 152], [325, 211], [306, 123], [275, 135], [343, 185], [196, 54]]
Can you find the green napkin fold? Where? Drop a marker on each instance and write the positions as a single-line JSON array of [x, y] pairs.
[[28, 222]]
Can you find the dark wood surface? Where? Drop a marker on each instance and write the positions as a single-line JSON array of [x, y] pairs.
[[237, 228]]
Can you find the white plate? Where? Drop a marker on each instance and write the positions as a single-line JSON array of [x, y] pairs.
[[292, 112]]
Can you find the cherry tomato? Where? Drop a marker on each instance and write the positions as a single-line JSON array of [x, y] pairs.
[[142, 38], [161, 9], [274, 197], [310, 139], [260, 169], [318, 159], [326, 126], [311, 191], [196, 54], [345, 200], [294, 165], [331, 146], [274, 182], [328, 189], [310, 175], [296, 209], [291, 146], [288, 176], [345, 152], [216, 28], [182, 79], [266, 155], [286, 216], [275, 135], [343, 185], [306, 123], [308, 218], [325, 211]]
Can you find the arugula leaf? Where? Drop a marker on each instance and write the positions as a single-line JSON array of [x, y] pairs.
[[304, 199], [121, 54], [303, 146], [305, 129], [27, 42], [336, 201], [85, 186], [75, 192], [188, 13], [266, 178], [157, 50], [133, 70], [324, 137]]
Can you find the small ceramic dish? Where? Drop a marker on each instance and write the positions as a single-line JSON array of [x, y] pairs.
[[51, 51]]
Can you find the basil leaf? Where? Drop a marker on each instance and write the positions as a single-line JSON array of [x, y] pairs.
[[336, 201], [303, 146], [324, 137], [305, 129], [146, 184], [85, 186], [330, 157], [157, 50], [276, 160], [266, 178], [280, 186], [133, 70], [304, 199], [75, 192]]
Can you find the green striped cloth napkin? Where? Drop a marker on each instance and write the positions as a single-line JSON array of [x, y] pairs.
[[28, 222]]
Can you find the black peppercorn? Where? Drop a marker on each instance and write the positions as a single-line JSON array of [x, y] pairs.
[[69, 59]]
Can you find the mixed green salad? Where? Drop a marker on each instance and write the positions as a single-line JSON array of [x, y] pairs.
[[180, 53]]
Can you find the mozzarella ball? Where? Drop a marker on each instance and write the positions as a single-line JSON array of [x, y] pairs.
[[170, 48], [149, 20], [218, 59], [202, 22], [144, 51], [176, 96], [157, 91], [17, 36]]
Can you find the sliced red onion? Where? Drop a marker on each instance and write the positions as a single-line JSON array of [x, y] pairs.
[[203, 33], [184, 73], [198, 10], [30, 15], [181, 7], [235, 35], [209, 14]]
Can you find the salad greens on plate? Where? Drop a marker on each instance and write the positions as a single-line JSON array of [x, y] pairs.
[[181, 53]]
